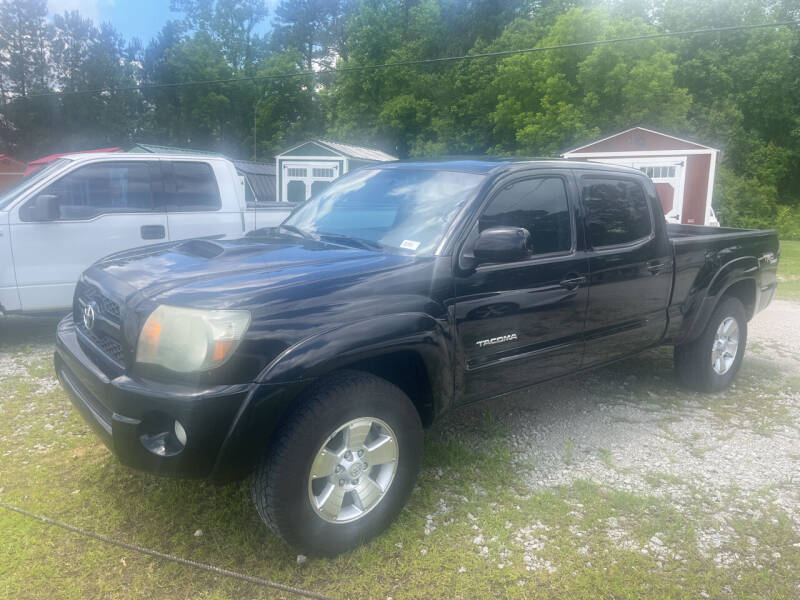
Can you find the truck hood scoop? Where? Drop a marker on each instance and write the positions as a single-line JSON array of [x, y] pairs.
[[201, 248]]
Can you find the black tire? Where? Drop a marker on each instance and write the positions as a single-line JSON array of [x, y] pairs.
[[280, 484], [693, 362]]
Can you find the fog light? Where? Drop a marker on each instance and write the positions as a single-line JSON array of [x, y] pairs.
[[180, 433], [162, 434]]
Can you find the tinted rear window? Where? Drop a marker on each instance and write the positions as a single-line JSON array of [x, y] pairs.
[[617, 211], [195, 187]]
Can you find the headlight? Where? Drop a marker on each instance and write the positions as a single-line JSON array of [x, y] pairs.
[[188, 340]]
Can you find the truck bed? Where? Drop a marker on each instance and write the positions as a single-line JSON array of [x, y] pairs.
[[706, 257], [682, 234]]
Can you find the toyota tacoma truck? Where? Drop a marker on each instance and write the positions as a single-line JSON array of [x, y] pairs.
[[312, 355]]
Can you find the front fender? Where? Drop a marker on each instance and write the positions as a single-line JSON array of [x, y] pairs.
[[344, 345], [288, 375]]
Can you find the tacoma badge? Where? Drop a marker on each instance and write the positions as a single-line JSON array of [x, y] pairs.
[[509, 337]]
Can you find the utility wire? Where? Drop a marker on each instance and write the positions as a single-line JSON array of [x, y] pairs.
[[408, 63], [183, 561]]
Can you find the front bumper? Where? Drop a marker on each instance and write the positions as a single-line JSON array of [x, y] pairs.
[[127, 413]]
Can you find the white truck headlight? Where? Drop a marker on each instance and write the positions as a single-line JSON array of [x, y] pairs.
[[190, 340]]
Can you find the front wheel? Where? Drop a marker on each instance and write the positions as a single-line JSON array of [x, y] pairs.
[[342, 465], [709, 363]]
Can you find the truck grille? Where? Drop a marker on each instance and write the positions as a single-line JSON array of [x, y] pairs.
[[109, 346], [105, 335], [108, 307]]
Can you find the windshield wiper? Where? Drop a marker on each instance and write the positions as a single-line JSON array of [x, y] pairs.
[[352, 241]]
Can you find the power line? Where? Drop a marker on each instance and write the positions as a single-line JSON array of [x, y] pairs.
[[409, 63], [163, 555]]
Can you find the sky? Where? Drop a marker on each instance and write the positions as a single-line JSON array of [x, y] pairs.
[[132, 18], [137, 18]]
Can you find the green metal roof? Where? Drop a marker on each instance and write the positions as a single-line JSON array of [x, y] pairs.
[[156, 149]]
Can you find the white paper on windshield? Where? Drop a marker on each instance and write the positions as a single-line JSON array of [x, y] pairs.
[[410, 245]]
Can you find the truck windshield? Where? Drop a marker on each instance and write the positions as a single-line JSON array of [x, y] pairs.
[[28, 182], [399, 209]]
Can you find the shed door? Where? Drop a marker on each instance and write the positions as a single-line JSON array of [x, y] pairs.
[[303, 179], [668, 178]]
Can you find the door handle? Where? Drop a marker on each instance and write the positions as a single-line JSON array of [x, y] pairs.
[[572, 283], [655, 267], [153, 232]]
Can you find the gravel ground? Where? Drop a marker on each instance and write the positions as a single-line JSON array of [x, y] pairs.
[[629, 427]]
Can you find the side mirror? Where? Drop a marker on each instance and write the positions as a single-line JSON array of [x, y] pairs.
[[44, 207], [503, 244]]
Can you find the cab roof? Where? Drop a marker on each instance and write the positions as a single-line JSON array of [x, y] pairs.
[[493, 165], [84, 157]]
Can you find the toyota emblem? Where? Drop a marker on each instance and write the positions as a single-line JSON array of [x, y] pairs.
[[88, 316]]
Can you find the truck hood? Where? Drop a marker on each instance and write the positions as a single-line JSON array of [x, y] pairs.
[[207, 273]]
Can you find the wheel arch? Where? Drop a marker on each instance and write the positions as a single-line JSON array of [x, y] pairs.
[[384, 346], [737, 277], [409, 350], [744, 290]]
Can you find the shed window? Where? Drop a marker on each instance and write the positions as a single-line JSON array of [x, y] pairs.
[[659, 172], [297, 172], [322, 172]]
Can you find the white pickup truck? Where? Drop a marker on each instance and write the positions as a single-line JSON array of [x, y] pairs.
[[58, 221]]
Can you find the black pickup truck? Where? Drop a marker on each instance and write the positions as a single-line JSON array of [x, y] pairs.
[[314, 354]]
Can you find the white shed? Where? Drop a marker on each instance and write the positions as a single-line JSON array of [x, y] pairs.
[[308, 167]]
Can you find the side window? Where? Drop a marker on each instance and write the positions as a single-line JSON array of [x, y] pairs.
[[249, 194], [540, 206], [616, 211], [108, 187], [195, 187]]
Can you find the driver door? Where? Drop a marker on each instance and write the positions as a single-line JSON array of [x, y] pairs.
[[522, 322], [99, 209]]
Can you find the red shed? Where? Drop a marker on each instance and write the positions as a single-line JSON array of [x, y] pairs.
[[11, 170], [682, 170]]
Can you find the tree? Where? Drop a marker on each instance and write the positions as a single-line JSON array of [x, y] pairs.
[[286, 110], [548, 101], [188, 116], [314, 28], [231, 23], [23, 36], [23, 71]]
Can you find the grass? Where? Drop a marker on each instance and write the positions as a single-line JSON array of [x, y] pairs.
[[789, 271], [583, 540]]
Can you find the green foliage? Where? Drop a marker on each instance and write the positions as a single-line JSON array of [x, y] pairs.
[[752, 196], [551, 100], [739, 91]]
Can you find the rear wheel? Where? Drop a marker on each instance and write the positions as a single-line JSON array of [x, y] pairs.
[[342, 466], [710, 363]]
